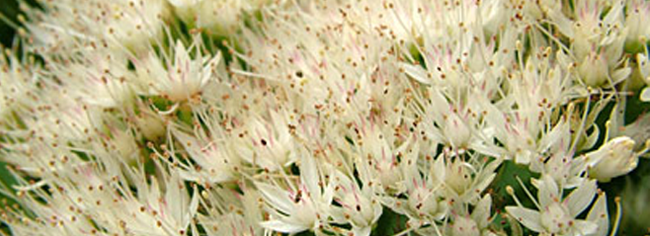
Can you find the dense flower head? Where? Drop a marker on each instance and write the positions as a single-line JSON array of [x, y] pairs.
[[335, 117]]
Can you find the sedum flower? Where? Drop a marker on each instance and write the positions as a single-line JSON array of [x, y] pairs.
[[476, 223], [557, 214], [17, 84], [214, 160], [637, 32], [122, 24], [191, 117], [217, 17], [359, 207], [305, 207], [177, 77], [615, 158]]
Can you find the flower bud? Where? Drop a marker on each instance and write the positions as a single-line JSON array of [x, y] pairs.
[[593, 70], [613, 159]]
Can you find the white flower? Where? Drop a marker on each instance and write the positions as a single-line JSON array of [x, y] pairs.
[[266, 143], [476, 223], [359, 206], [593, 69], [615, 158], [424, 200], [557, 214], [377, 162], [120, 24], [148, 124], [152, 210], [231, 212], [177, 77], [637, 31], [217, 17], [302, 208], [100, 78], [17, 84], [214, 161]]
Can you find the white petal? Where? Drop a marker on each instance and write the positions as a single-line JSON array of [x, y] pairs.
[[548, 190], [598, 214], [361, 231], [194, 205], [620, 75], [562, 22], [282, 226], [591, 138], [481, 213], [527, 217], [309, 175], [416, 72], [581, 197], [277, 197], [585, 227]]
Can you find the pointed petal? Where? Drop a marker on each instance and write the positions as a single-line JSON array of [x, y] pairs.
[[548, 190], [416, 72], [598, 214], [277, 197], [283, 227], [581, 197], [481, 213], [529, 218], [309, 175], [621, 74]]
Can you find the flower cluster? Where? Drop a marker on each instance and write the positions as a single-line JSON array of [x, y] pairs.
[[231, 117]]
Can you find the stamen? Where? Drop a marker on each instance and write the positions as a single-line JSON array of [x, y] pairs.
[[511, 192], [528, 193], [617, 200]]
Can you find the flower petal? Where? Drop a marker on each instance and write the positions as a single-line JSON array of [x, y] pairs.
[[361, 231], [598, 214], [527, 217], [282, 226], [548, 190], [309, 175], [277, 197], [481, 213], [581, 197]]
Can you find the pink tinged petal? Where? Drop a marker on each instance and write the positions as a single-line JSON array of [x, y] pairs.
[[529, 218], [581, 197], [283, 227], [598, 214], [277, 197], [548, 191]]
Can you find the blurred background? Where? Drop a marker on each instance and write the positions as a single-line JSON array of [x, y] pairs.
[[8, 10]]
